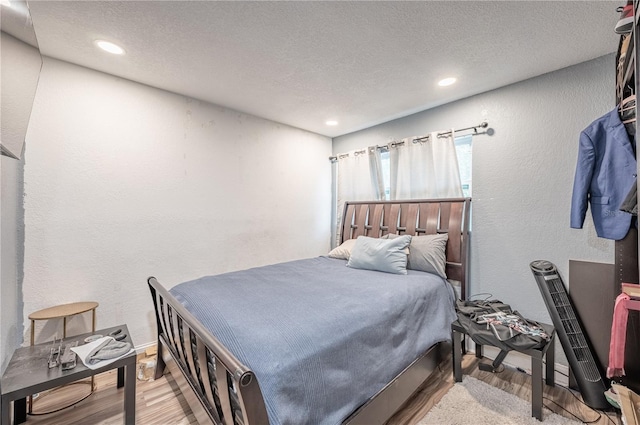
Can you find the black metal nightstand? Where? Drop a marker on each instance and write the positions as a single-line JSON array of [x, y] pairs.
[[536, 354], [27, 373]]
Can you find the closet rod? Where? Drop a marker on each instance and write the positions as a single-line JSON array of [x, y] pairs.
[[475, 128]]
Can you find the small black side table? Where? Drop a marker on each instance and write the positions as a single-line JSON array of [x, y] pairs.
[[27, 373], [537, 354]]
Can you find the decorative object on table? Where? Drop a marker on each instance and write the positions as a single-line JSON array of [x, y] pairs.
[[68, 358], [59, 357], [92, 338], [54, 354]]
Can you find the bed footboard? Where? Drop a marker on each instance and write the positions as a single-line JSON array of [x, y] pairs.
[[227, 389]]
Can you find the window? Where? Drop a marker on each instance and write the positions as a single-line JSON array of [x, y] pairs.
[[463, 151], [386, 174]]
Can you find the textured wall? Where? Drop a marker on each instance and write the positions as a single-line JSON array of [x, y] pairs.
[[11, 253], [522, 175], [124, 181], [20, 70]]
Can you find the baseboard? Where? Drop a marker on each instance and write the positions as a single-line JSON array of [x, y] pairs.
[[141, 349], [523, 362]]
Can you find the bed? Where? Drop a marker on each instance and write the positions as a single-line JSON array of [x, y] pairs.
[[315, 341]]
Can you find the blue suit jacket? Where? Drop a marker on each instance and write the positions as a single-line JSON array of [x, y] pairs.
[[605, 173]]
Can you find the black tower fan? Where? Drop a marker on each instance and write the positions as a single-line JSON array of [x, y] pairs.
[[569, 330]]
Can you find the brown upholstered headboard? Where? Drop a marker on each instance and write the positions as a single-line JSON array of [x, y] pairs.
[[416, 218]]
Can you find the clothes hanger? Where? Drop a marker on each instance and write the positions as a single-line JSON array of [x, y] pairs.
[[628, 102], [627, 109], [629, 120]]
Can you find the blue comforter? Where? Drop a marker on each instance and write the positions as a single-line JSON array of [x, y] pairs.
[[322, 338]]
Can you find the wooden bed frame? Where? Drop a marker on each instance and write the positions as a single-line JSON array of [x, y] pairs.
[[221, 390]]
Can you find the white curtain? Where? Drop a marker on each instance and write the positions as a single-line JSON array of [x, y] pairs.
[[359, 176], [425, 169]]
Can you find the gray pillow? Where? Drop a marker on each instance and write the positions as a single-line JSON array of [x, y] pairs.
[[427, 254], [384, 255], [395, 236]]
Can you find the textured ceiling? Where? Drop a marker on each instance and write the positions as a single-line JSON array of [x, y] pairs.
[[15, 20], [304, 62]]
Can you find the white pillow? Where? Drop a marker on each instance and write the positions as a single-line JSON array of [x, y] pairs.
[[343, 251], [427, 254], [384, 255]]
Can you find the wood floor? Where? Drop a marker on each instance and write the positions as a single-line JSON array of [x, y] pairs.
[[159, 402]]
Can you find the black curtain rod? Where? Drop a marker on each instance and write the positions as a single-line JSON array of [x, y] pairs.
[[475, 128]]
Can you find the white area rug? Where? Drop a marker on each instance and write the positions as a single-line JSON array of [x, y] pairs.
[[472, 402]]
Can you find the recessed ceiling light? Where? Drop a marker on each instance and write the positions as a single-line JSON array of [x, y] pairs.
[[5, 3], [446, 81], [110, 47], [332, 122]]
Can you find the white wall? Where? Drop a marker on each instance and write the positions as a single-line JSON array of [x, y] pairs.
[[20, 68], [522, 175], [124, 181], [11, 258]]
